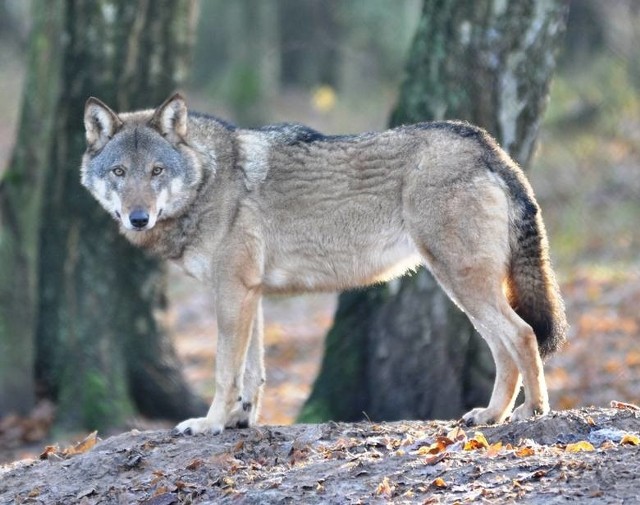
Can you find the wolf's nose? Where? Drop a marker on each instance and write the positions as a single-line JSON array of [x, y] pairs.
[[139, 218]]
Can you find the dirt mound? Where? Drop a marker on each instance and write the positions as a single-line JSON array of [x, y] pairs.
[[588, 453]]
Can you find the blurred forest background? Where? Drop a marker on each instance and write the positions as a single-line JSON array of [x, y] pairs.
[[337, 65]]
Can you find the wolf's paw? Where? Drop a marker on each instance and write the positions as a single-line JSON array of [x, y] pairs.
[[482, 416], [526, 411], [241, 416], [198, 425]]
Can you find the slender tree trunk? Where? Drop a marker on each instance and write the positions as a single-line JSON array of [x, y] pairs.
[[89, 296], [416, 355], [20, 206], [254, 67], [310, 38]]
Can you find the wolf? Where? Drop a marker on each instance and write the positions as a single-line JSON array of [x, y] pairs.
[[286, 209]]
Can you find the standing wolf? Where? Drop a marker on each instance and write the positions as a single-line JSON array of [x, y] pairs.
[[285, 209]]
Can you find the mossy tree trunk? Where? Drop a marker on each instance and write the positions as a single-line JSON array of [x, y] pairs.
[[99, 349], [403, 350], [20, 208]]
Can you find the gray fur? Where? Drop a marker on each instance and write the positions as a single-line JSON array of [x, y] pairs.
[[285, 209]]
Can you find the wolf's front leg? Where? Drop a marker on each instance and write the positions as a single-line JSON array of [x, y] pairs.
[[245, 413], [237, 308]]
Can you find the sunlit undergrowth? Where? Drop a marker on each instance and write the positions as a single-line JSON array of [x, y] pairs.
[[587, 170], [587, 178]]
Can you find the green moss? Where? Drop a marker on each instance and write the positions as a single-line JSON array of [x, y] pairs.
[[105, 405], [317, 411], [341, 391]]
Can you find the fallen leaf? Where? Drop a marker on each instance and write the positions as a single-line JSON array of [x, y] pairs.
[[621, 405], [83, 446], [477, 442], [224, 483], [432, 459], [525, 451], [582, 446], [494, 449], [49, 451], [457, 434], [35, 492], [161, 490], [436, 447], [632, 359], [538, 474], [195, 464], [439, 483], [385, 488], [630, 439], [612, 366], [181, 485]]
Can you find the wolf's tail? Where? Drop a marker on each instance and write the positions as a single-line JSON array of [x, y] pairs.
[[531, 286]]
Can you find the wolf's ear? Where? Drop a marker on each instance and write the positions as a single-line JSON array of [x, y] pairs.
[[170, 119], [100, 123]]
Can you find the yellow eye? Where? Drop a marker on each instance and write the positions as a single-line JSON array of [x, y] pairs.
[[118, 171], [157, 170]]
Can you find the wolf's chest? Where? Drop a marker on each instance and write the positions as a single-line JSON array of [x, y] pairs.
[[196, 263]]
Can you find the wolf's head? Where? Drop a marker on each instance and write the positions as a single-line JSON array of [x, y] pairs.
[[138, 165]]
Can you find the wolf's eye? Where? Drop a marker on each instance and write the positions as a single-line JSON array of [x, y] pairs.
[[157, 170], [118, 171]]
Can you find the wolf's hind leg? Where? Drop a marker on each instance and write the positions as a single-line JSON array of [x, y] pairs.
[[520, 341], [477, 289], [505, 389], [464, 238]]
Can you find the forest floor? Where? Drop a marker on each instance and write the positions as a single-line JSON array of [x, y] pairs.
[[586, 455]]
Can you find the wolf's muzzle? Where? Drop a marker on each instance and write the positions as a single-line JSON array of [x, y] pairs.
[[139, 218]]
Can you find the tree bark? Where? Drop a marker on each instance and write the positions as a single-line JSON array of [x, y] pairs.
[[252, 75], [99, 349], [310, 40], [489, 62], [20, 206]]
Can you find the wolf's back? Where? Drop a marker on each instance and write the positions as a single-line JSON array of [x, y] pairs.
[[532, 288]]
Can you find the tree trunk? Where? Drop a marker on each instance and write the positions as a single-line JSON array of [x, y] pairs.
[[489, 62], [310, 34], [20, 207], [99, 347], [254, 56]]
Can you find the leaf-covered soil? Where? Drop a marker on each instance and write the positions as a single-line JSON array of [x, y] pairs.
[[587, 455]]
